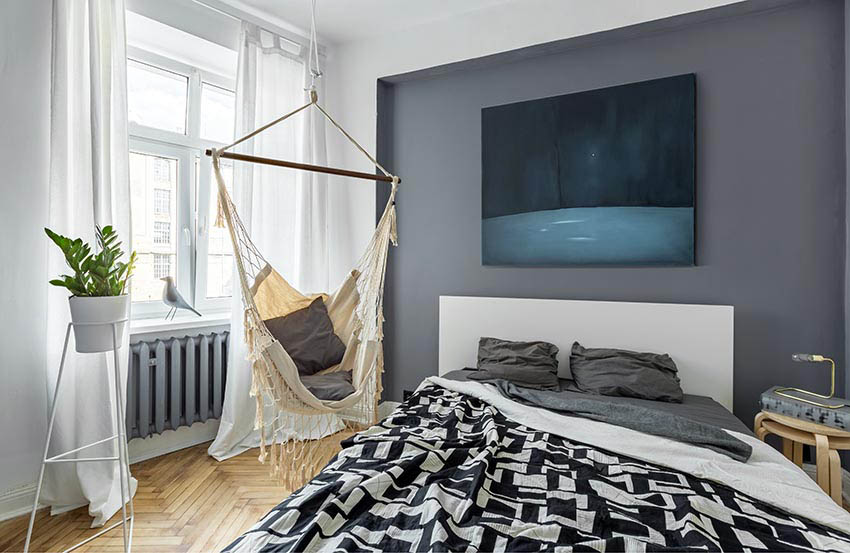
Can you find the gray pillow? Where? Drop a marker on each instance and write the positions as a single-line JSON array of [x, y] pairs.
[[624, 373], [329, 386], [528, 364], [308, 337]]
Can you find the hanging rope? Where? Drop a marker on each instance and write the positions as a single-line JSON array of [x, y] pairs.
[[313, 56], [264, 127]]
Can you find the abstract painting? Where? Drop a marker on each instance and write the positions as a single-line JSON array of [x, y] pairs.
[[602, 177]]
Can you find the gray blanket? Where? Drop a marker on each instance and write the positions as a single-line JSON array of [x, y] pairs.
[[635, 417]]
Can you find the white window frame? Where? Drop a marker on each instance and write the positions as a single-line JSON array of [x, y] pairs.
[[191, 223]]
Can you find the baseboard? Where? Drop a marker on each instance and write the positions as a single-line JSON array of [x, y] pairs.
[[18, 501], [142, 449]]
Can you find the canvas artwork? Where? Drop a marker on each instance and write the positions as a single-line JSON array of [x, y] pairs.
[[603, 177]]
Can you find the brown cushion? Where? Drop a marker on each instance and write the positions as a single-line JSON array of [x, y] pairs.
[[308, 337]]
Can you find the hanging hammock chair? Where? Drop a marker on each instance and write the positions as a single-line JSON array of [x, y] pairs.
[[296, 451]]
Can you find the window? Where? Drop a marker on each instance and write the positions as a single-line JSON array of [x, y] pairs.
[[161, 201], [176, 112], [152, 216], [218, 113], [161, 170], [220, 250], [161, 265], [156, 97], [161, 232]]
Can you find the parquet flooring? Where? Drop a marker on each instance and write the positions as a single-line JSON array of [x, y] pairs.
[[187, 502]]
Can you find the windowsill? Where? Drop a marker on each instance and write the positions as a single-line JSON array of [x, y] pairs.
[[159, 324]]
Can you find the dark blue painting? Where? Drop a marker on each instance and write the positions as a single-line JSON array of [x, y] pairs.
[[603, 177]]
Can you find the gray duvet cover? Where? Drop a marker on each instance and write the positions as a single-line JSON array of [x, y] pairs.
[[698, 420]]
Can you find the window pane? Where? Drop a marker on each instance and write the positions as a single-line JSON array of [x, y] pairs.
[[218, 111], [220, 249], [156, 98], [153, 188]]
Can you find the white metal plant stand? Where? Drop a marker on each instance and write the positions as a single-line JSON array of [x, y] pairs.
[[119, 440]]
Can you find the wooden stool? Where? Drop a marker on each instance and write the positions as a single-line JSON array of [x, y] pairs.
[[795, 433]]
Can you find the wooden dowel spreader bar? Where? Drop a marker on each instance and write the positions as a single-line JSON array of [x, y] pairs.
[[303, 166]]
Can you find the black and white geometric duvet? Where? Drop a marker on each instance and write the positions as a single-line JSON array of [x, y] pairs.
[[447, 472]]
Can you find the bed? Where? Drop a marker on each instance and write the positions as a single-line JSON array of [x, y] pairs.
[[463, 466]]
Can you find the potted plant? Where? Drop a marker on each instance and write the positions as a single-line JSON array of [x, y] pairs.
[[98, 286]]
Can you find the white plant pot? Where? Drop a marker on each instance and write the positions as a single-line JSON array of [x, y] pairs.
[[87, 312]]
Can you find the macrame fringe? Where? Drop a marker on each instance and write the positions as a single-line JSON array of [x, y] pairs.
[[220, 221]]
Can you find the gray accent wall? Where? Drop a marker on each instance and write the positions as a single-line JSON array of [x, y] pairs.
[[847, 196], [770, 192]]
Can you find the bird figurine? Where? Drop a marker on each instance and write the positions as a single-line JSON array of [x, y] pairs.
[[172, 298]]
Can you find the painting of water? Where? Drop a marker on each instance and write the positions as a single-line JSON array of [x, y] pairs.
[[603, 177]]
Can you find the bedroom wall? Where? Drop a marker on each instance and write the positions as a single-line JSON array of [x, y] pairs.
[[357, 66], [847, 196], [25, 74], [770, 187]]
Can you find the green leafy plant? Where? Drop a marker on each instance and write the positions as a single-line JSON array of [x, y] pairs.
[[95, 274]]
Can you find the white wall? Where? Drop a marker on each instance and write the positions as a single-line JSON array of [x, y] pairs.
[[357, 65], [24, 95]]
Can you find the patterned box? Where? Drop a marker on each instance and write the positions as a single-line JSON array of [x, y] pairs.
[[837, 418]]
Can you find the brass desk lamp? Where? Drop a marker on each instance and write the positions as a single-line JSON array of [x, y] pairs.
[[812, 358]]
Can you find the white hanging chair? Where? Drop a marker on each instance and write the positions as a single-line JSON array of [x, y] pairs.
[[355, 309]]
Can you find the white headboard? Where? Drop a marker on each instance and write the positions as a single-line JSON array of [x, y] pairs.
[[699, 338]]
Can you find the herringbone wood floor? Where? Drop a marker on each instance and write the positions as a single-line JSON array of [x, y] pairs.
[[186, 502]]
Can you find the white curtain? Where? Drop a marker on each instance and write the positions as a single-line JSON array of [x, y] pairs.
[[88, 185], [311, 268], [284, 211]]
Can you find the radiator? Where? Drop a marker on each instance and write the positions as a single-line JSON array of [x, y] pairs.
[[175, 382]]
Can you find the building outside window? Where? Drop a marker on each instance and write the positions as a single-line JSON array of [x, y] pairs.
[[161, 201], [161, 170], [161, 265], [161, 232]]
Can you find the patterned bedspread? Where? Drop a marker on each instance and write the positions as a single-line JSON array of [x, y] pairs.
[[448, 472]]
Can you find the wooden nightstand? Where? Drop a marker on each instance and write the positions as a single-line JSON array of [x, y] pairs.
[[796, 433]]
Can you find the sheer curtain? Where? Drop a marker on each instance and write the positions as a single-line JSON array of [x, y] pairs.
[[89, 185], [311, 269], [284, 211]]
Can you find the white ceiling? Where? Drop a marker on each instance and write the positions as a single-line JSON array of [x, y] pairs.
[[344, 20]]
